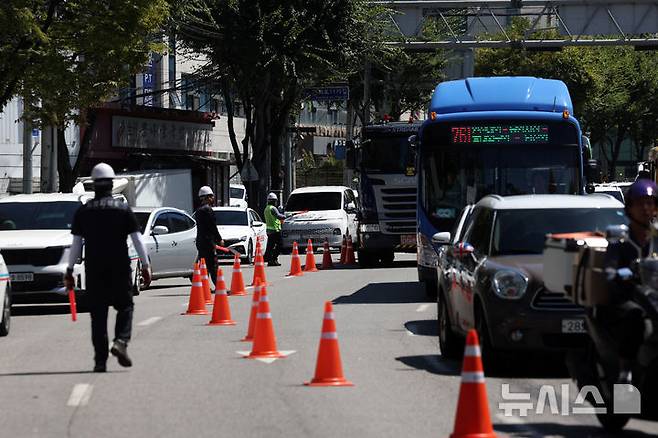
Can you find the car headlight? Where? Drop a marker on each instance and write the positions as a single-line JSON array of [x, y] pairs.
[[510, 285], [369, 228]]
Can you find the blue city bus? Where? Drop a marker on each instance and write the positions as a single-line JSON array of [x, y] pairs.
[[501, 135]]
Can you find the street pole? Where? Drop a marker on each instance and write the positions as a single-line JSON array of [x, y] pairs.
[[287, 160], [27, 151]]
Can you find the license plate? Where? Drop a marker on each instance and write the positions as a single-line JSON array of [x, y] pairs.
[[408, 239], [21, 277], [573, 326]]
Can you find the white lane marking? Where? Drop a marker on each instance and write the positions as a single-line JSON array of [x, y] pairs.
[[423, 307], [80, 394], [150, 321]]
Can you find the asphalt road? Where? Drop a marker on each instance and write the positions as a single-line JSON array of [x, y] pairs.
[[188, 380]]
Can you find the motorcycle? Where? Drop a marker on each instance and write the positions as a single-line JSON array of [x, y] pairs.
[[598, 364]]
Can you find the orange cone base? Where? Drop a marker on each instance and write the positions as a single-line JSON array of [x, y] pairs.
[[474, 435], [225, 322], [265, 355], [196, 312], [310, 270], [332, 381], [247, 339], [298, 274]]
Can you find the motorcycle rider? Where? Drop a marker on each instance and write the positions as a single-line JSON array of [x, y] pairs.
[[622, 315]]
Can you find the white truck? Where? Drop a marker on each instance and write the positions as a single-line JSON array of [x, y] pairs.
[[150, 188]]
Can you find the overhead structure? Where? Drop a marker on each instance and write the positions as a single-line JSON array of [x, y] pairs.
[[475, 24]]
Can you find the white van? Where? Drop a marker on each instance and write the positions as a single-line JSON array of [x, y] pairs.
[[319, 213], [237, 196]]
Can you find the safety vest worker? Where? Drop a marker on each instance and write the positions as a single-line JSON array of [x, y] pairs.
[[273, 218]]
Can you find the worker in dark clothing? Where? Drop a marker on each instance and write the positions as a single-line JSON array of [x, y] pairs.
[[623, 315], [207, 235], [105, 224], [273, 218]]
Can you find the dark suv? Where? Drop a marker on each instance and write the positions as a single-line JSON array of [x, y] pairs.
[[491, 279]]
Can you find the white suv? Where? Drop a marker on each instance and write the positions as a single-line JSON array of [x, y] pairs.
[[319, 213], [35, 239]]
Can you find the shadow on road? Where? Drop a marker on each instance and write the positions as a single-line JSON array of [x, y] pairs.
[[52, 309], [166, 286], [432, 363], [386, 293], [428, 327], [566, 430], [55, 373]]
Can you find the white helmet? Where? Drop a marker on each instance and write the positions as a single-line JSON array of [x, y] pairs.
[[102, 171], [205, 191], [272, 196]]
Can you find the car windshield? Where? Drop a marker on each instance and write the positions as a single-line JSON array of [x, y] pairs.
[[524, 231], [316, 201], [385, 154], [236, 192], [37, 215], [614, 193], [223, 217], [142, 219]]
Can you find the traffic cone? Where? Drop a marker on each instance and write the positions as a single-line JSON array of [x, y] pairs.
[[259, 267], [295, 263], [310, 258], [327, 263], [197, 304], [221, 312], [328, 368], [472, 419], [264, 345], [252, 315], [349, 252], [343, 250], [205, 281], [237, 282]]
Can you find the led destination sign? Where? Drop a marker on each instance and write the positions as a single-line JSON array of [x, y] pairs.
[[497, 134]]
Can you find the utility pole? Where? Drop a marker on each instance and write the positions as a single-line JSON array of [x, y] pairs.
[[27, 150]]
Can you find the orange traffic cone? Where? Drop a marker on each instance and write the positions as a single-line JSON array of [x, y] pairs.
[[205, 281], [472, 419], [328, 368], [310, 258], [237, 282], [221, 312], [252, 315], [295, 263], [197, 304], [327, 263], [343, 250], [264, 345], [349, 252], [259, 266]]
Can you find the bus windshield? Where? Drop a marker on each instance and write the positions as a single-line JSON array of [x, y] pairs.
[[385, 154]]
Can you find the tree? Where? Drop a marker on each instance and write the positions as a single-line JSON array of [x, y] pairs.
[[65, 56]]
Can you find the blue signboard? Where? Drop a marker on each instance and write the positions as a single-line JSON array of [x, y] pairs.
[[148, 81], [328, 94]]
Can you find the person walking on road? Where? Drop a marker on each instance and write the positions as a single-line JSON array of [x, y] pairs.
[[103, 225], [207, 235], [273, 218]]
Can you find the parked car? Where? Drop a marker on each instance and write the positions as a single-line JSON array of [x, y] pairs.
[[491, 277], [169, 235], [240, 229], [5, 298], [237, 196], [319, 213], [610, 189], [35, 238]]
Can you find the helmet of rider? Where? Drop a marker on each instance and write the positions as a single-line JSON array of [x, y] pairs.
[[102, 171], [205, 191], [640, 189], [271, 197]]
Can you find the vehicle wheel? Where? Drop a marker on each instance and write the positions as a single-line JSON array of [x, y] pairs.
[[137, 281], [366, 259], [491, 358], [427, 276], [387, 258], [450, 344], [6, 314]]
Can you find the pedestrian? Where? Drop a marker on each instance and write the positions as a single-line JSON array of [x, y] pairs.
[[207, 235], [103, 225], [273, 218]]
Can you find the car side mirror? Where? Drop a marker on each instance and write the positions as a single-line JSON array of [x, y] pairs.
[[442, 238], [159, 229], [257, 224], [462, 249]]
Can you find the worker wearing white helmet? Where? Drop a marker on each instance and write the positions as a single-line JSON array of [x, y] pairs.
[[207, 235], [104, 224], [273, 218]]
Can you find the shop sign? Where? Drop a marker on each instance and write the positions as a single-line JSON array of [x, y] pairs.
[[140, 133]]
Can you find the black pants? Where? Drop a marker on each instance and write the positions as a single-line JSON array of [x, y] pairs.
[[273, 246], [211, 264], [626, 324], [101, 297]]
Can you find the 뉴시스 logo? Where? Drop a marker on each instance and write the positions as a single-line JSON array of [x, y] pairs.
[[626, 399]]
